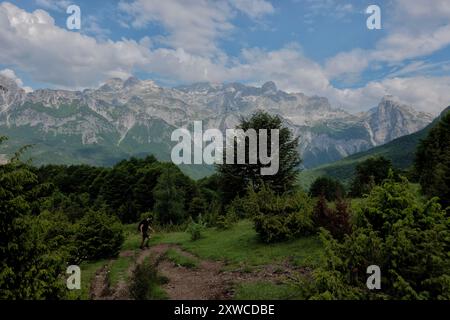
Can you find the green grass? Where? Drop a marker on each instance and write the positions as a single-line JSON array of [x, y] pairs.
[[158, 293], [266, 291], [119, 270], [241, 246], [181, 260], [88, 270]]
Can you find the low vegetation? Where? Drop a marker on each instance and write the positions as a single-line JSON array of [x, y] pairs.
[[54, 216]]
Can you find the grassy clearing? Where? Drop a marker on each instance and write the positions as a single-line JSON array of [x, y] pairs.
[[266, 291], [181, 260], [240, 246]]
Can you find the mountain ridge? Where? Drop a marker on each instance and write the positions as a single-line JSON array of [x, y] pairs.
[[400, 151], [133, 116]]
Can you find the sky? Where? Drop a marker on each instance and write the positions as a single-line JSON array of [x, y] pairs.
[[317, 47]]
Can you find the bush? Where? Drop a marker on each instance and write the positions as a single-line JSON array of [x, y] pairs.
[[144, 283], [195, 229], [224, 222], [408, 238], [279, 218], [29, 267], [336, 221], [98, 236]]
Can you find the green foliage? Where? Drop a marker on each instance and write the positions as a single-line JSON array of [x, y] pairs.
[[328, 187], [226, 221], [144, 283], [432, 162], [126, 190], [99, 236], [197, 207], [281, 217], [28, 267], [408, 238], [369, 173], [169, 204], [195, 229], [234, 178]]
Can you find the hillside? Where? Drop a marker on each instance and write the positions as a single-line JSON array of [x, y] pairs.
[[400, 151]]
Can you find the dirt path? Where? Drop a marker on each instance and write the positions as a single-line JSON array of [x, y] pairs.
[[207, 281], [99, 286]]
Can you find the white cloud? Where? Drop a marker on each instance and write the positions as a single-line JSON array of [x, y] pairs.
[[325, 8], [12, 75], [55, 5], [91, 26], [418, 9], [34, 44], [255, 9], [427, 94], [417, 29], [194, 25]]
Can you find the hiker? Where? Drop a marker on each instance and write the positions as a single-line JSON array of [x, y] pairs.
[[144, 227]]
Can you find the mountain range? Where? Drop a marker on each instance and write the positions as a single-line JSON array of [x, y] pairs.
[[400, 151], [133, 117]]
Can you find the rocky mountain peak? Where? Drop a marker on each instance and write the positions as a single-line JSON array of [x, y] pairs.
[[392, 118], [131, 81], [10, 93], [114, 84], [8, 84], [269, 88]]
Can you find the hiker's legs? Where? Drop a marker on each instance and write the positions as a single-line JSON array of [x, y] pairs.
[[148, 240], [144, 238]]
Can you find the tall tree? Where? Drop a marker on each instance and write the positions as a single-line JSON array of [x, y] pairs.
[[369, 173], [28, 269], [328, 187], [432, 162], [235, 178], [169, 198]]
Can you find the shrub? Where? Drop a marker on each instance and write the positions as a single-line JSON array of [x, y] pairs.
[[144, 283], [226, 221], [336, 221], [284, 217], [408, 238], [99, 236], [195, 229], [29, 267]]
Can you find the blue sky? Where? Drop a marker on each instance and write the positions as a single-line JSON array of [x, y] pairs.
[[318, 47]]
